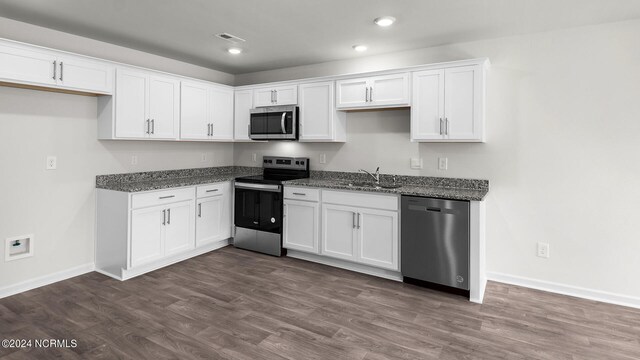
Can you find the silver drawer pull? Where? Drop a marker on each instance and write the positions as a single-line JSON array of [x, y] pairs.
[[167, 197], [212, 190], [301, 194]]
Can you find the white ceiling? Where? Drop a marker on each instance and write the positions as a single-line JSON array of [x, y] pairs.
[[284, 33]]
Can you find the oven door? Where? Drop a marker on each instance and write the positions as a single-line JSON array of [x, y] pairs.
[[274, 124], [258, 207]]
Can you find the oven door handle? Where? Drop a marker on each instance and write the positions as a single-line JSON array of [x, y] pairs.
[[284, 114], [261, 187]]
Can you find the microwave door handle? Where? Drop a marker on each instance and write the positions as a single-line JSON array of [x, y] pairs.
[[284, 114]]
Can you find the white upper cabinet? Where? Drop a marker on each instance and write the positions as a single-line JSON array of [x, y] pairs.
[[373, 92], [27, 65], [206, 112], [319, 120], [448, 104], [277, 95], [147, 106], [242, 112]]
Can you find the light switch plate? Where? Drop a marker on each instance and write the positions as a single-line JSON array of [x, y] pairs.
[[416, 163], [443, 163], [254, 157], [52, 162]]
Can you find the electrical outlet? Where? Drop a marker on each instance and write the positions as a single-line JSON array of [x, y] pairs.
[[254, 157], [323, 158], [543, 250], [203, 157], [52, 162], [134, 159], [443, 163], [416, 163]]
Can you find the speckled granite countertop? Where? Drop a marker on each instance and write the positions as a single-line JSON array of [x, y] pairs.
[[157, 180], [437, 187]]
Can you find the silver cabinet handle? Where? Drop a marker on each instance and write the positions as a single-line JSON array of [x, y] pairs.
[[284, 212], [301, 194], [358, 220], [164, 217], [166, 197], [200, 210], [440, 126], [371, 94], [148, 126], [211, 129], [169, 217], [273, 96], [212, 190], [55, 69], [276, 94], [353, 220], [366, 94], [153, 126], [61, 70], [284, 114], [446, 127]]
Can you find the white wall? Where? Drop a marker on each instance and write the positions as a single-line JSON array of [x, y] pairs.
[[561, 153]]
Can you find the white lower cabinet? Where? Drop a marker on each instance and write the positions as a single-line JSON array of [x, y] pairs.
[[213, 214], [359, 227], [141, 232], [301, 220]]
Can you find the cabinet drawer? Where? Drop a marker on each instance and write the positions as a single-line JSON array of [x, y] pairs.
[[212, 189], [301, 193], [361, 199], [161, 197]]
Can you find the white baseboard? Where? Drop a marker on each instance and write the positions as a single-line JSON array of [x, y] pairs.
[[584, 293], [45, 280]]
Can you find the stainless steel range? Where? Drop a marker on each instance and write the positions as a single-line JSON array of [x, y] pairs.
[[258, 204]]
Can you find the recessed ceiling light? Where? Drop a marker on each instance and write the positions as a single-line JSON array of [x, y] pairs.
[[384, 21], [235, 51], [360, 48]]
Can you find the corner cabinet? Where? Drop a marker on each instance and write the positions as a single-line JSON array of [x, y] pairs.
[[206, 112], [448, 104], [141, 232], [319, 119], [383, 91]]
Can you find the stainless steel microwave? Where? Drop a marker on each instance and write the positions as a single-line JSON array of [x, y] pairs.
[[274, 123]]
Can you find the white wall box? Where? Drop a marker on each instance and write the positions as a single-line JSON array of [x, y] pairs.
[[301, 219], [141, 232], [206, 112], [19, 247], [213, 213], [448, 104], [242, 111], [26, 65], [319, 120], [382, 91], [276, 95]]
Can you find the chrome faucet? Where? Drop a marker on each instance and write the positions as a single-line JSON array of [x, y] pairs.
[[375, 177]]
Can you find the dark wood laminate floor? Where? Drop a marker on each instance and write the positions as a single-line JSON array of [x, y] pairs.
[[234, 304]]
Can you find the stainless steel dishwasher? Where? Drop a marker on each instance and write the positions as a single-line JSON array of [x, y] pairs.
[[435, 243]]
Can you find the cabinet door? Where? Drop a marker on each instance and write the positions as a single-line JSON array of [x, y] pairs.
[[317, 111], [462, 103], [389, 90], [263, 97], [27, 66], [352, 93], [179, 228], [85, 75], [131, 102], [146, 235], [427, 110], [378, 238], [164, 107], [339, 231], [209, 225], [286, 95], [242, 111], [301, 230], [194, 119], [221, 113]]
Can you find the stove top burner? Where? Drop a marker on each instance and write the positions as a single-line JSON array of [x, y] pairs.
[[279, 169]]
